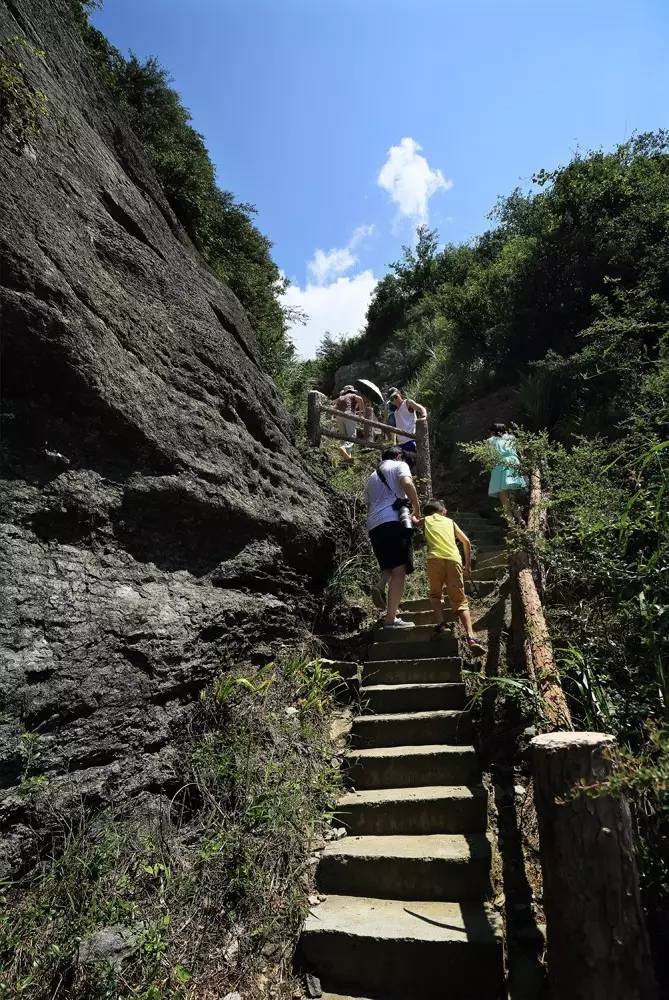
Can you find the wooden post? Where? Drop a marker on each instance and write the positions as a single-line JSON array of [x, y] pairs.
[[531, 634], [368, 431], [314, 401], [423, 466], [597, 942], [534, 639]]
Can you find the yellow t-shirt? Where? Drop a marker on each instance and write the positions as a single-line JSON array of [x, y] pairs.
[[440, 538]]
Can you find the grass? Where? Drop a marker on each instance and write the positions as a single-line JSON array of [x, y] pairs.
[[215, 898]]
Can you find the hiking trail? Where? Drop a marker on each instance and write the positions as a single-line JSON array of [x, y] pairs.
[[406, 911]]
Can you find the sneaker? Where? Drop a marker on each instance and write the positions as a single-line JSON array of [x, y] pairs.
[[400, 623]]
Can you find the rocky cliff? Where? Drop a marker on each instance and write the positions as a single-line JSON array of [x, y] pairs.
[[157, 519]]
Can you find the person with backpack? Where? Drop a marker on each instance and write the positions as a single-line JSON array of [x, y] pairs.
[[392, 512]]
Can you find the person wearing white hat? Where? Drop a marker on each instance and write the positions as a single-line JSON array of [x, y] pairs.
[[348, 401]]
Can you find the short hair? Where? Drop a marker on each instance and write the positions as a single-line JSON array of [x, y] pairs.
[[498, 429], [434, 506], [392, 455]]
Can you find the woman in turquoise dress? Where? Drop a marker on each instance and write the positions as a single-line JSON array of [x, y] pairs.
[[506, 477]]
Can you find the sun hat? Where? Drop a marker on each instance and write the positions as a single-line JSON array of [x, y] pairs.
[[347, 388]]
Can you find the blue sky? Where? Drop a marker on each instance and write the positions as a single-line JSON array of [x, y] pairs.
[[347, 122]]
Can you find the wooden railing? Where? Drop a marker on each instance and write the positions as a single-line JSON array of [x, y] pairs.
[[597, 944], [318, 404], [529, 622]]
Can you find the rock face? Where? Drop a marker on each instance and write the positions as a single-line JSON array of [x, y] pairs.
[[157, 519]]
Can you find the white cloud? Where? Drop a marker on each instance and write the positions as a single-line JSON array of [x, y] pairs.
[[410, 180], [338, 307], [325, 265]]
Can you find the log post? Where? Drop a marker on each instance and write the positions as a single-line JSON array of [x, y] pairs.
[[314, 417], [533, 637], [597, 942], [423, 466], [367, 429]]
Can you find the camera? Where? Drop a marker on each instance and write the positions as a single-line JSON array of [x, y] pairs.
[[403, 507]]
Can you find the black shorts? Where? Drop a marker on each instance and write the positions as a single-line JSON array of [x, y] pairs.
[[392, 546]]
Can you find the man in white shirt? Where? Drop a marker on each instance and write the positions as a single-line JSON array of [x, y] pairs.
[[407, 411], [391, 540]]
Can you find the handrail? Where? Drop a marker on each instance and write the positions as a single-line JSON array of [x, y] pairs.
[[536, 644], [367, 421], [586, 844], [317, 403]]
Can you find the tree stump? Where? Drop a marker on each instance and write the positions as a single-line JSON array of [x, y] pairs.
[[597, 942]]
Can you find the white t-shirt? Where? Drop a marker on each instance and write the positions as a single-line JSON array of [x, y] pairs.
[[380, 499], [405, 419]]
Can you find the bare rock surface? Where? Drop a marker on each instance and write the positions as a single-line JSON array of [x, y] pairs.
[[157, 520]]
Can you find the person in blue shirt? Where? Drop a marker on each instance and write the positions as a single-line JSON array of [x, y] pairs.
[[506, 478]]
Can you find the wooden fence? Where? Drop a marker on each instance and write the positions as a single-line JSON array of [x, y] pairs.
[[318, 404], [597, 944]]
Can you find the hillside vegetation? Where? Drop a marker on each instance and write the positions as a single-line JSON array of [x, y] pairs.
[[221, 228], [566, 299]]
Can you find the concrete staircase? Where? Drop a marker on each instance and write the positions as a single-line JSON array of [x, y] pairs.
[[405, 914]]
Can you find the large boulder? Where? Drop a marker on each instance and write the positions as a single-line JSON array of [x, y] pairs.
[[157, 518]]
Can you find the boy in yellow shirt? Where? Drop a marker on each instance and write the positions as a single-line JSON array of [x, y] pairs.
[[444, 568]]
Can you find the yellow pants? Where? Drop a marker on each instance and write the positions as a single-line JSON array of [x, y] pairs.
[[446, 574]]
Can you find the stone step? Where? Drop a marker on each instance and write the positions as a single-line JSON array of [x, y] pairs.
[[419, 634], [412, 766], [411, 729], [411, 950], [489, 573], [426, 809], [423, 603], [385, 698], [482, 534], [347, 996], [427, 617], [440, 670], [434, 866], [414, 649], [476, 528], [493, 557]]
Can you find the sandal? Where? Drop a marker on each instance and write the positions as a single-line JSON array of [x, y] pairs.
[[438, 630], [475, 646]]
